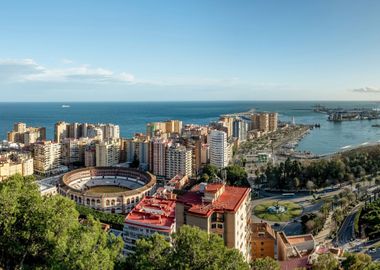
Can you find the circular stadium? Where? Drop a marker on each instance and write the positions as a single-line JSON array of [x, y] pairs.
[[108, 189]]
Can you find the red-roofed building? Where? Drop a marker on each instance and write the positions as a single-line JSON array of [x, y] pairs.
[[217, 208], [151, 215]]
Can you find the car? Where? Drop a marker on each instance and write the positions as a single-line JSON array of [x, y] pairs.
[[372, 250], [276, 225]]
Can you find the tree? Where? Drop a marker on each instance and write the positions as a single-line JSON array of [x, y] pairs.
[[326, 262], [237, 176], [205, 177], [371, 217], [338, 216], [343, 202], [210, 170], [310, 226], [151, 254], [310, 186], [191, 248], [265, 264], [44, 232], [359, 261], [296, 183]]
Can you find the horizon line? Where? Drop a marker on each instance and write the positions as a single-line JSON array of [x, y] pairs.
[[157, 101]]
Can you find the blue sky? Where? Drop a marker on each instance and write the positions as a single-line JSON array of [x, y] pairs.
[[189, 50]]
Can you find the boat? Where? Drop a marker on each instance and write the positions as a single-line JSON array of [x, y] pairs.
[[376, 125], [65, 106]]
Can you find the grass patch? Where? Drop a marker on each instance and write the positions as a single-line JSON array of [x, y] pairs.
[[293, 210]]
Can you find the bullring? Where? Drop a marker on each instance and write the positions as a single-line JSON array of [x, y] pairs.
[[108, 189]]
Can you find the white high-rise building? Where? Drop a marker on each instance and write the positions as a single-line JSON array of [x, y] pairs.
[[178, 161], [219, 155]]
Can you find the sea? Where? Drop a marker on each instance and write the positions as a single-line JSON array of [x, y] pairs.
[[133, 116]]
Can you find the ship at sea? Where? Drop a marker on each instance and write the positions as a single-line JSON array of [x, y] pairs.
[[65, 106]]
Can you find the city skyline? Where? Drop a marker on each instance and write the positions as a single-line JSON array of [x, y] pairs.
[[189, 51]]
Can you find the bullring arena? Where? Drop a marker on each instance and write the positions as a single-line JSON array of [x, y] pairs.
[[108, 189]]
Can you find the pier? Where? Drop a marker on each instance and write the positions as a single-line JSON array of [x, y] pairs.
[[339, 114]]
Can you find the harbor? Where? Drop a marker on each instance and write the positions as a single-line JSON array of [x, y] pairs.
[[355, 114]]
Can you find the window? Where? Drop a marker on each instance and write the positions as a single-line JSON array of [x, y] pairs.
[[213, 226], [220, 226]]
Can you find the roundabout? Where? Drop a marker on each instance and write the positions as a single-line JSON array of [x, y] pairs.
[[277, 211]]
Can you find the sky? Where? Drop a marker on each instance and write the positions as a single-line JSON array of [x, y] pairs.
[[189, 50]]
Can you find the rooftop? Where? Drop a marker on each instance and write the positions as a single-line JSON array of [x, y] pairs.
[[297, 239], [294, 263], [157, 213], [262, 230], [229, 200]]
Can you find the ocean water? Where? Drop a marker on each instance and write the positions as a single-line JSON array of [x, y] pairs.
[[132, 117]]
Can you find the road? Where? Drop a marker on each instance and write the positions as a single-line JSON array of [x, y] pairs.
[[346, 233], [304, 199]]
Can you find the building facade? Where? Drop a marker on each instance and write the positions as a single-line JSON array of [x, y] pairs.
[[263, 240], [47, 157], [178, 161], [220, 209], [12, 163], [26, 135], [151, 215], [240, 130], [219, 155], [107, 153], [159, 147]]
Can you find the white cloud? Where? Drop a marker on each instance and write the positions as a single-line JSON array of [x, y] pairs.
[[28, 70], [367, 89], [67, 61]]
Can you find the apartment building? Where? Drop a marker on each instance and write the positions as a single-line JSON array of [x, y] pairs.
[[139, 147], [151, 215], [173, 126], [73, 150], [219, 150], [63, 130], [205, 153], [107, 153], [273, 121], [169, 126], [47, 157], [265, 122], [227, 122], [159, 148], [12, 163], [263, 240], [240, 130], [220, 209], [178, 161], [90, 156], [26, 135]]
